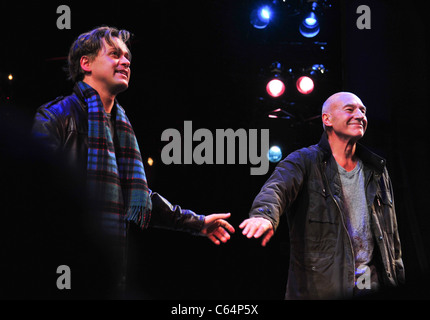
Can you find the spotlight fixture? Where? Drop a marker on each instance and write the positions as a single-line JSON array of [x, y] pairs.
[[281, 113], [305, 85], [275, 154], [318, 69], [309, 27], [275, 88], [260, 17]]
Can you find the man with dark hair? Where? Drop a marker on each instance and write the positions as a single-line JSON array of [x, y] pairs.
[[91, 132], [339, 203], [89, 44]]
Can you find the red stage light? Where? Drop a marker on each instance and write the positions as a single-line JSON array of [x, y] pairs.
[[305, 85], [275, 88]]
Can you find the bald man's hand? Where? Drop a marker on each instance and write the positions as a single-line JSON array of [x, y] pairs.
[[257, 227]]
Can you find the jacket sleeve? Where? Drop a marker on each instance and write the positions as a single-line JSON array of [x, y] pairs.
[[280, 190], [46, 130], [168, 216], [398, 261]]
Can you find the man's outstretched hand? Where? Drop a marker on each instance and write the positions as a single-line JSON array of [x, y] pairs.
[[216, 228], [257, 227]]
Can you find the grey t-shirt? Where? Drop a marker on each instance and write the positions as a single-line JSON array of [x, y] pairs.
[[357, 217], [111, 123]]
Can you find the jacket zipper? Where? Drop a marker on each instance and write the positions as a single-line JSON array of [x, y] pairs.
[[342, 219]]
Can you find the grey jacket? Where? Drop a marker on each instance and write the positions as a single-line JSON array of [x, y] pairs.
[[307, 187]]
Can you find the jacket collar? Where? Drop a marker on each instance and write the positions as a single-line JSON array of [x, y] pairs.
[[368, 157], [78, 92]]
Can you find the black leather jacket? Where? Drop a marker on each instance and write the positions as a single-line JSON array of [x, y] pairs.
[[61, 126], [306, 185]]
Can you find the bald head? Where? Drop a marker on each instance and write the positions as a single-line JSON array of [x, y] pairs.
[[339, 100]]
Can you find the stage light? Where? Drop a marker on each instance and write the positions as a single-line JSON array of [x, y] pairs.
[[311, 20], [275, 154], [275, 88], [281, 113], [10, 77], [309, 27], [305, 85], [265, 14], [260, 17], [150, 161], [318, 68]]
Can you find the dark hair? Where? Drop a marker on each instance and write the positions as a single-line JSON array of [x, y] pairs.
[[89, 44]]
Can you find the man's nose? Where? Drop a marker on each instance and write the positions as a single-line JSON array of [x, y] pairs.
[[359, 114], [124, 62]]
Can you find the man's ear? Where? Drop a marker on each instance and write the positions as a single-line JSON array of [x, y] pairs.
[[326, 119], [85, 64]]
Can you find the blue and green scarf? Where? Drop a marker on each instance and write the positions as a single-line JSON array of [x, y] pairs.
[[116, 178]]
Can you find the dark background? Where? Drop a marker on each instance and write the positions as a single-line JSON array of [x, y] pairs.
[[203, 61]]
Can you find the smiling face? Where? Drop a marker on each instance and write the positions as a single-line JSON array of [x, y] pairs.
[[110, 70], [345, 115]]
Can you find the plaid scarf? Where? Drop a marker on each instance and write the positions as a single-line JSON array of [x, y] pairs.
[[116, 178]]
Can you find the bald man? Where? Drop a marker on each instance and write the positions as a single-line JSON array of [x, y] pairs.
[[339, 205]]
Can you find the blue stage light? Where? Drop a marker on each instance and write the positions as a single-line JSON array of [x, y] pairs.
[[310, 27], [275, 154], [265, 14], [260, 17], [311, 20]]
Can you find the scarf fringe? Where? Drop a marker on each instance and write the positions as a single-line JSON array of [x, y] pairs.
[[139, 215]]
